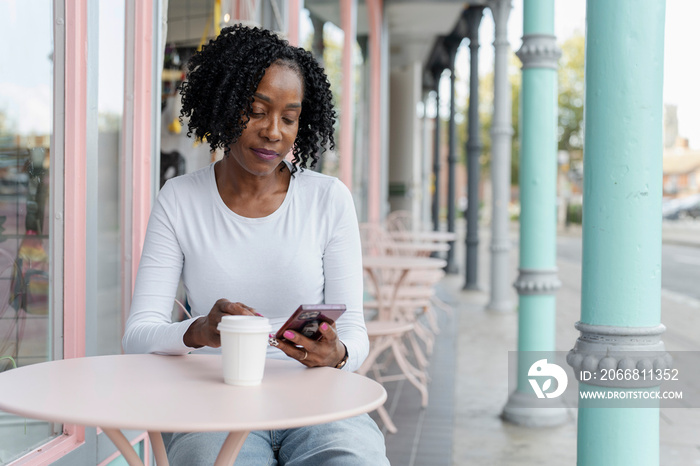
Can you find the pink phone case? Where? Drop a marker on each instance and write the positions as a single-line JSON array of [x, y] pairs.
[[308, 317]]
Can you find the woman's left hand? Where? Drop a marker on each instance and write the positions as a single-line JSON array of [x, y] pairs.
[[328, 351]]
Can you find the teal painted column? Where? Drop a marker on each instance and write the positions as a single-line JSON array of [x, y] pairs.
[[620, 305], [537, 280]]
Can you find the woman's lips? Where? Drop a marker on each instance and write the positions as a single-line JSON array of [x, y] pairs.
[[265, 154]]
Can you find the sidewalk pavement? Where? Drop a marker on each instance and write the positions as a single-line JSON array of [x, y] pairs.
[[471, 355], [481, 389]]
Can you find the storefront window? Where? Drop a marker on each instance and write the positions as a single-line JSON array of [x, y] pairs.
[[110, 108], [26, 118], [179, 154]]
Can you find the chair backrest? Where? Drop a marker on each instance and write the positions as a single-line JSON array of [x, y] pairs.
[[375, 239], [402, 220]]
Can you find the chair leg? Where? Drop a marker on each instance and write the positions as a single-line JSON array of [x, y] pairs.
[[429, 312], [442, 305], [418, 352], [408, 370], [420, 374], [425, 335], [386, 419], [384, 361], [377, 347]]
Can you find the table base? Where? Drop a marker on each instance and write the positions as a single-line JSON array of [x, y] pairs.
[[227, 455], [229, 450]]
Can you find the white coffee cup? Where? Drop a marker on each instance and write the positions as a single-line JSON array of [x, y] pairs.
[[243, 348]]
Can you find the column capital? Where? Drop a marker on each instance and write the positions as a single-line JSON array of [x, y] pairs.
[[436, 71], [451, 44], [500, 10], [537, 281], [498, 5], [501, 42], [604, 347], [539, 51], [473, 17]]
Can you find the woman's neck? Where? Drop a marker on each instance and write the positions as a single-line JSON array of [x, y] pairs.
[[249, 195]]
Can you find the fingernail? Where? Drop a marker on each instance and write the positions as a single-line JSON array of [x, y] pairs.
[[288, 335], [259, 315], [324, 326]]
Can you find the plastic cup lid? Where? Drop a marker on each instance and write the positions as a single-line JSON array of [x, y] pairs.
[[246, 324]]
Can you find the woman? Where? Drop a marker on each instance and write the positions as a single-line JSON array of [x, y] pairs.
[[255, 234]]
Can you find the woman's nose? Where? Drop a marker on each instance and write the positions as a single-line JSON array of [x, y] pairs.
[[271, 130]]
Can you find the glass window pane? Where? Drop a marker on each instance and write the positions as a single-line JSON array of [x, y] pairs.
[[26, 118], [110, 108], [120, 461]]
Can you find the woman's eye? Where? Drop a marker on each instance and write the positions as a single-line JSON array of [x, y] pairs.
[[289, 121]]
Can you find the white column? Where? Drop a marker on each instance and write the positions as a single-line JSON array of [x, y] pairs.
[[501, 140], [405, 150]]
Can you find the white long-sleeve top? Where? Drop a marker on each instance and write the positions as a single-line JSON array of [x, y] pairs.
[[306, 252]]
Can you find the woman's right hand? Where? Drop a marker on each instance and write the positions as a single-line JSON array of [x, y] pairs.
[[203, 331]]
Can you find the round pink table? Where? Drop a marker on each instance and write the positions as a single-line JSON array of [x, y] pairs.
[[182, 394], [437, 236], [402, 262], [415, 249], [391, 271]]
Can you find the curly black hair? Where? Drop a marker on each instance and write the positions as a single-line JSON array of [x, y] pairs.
[[222, 78]]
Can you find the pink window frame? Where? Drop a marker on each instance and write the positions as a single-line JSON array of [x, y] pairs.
[[136, 139], [348, 23], [293, 19], [69, 165], [374, 14]]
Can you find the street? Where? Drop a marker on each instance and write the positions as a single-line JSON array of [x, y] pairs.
[[680, 266]]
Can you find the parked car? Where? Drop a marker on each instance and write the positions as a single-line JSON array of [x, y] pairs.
[[682, 208]]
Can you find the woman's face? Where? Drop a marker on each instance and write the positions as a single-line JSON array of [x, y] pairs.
[[274, 122]]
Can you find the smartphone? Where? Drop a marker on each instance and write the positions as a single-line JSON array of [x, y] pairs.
[[307, 319]]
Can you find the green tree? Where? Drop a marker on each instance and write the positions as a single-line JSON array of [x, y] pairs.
[[515, 84], [571, 80], [570, 101]]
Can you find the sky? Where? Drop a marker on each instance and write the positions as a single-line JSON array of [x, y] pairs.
[[26, 73], [681, 65], [25, 84]]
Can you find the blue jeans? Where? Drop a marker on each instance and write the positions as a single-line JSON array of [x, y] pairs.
[[351, 442]]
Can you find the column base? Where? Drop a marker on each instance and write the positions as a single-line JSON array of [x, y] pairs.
[[520, 409], [500, 307]]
